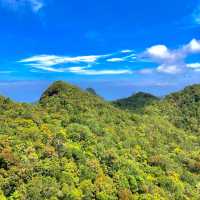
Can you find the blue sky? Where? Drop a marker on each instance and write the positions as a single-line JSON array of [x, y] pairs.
[[117, 47]]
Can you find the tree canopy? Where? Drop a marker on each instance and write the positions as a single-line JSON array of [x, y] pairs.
[[73, 145]]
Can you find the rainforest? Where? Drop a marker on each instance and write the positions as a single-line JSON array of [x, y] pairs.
[[74, 145]]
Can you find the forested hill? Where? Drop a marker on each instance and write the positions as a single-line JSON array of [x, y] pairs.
[[136, 102], [183, 108], [73, 145]]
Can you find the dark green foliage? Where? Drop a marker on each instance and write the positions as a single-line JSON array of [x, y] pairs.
[[72, 145], [91, 91], [183, 108], [136, 102]]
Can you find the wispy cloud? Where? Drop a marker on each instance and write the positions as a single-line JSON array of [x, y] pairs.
[[169, 69], [127, 51], [50, 60], [115, 60], [17, 5], [85, 71], [128, 58], [196, 16], [51, 63], [171, 61], [192, 20], [46, 68]]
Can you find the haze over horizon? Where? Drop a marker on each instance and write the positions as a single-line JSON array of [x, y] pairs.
[[115, 47]]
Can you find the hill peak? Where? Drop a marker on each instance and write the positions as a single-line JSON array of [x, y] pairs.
[[91, 91], [136, 101], [61, 94], [143, 94], [57, 88]]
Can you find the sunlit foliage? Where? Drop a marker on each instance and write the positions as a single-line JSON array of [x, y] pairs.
[[72, 145]]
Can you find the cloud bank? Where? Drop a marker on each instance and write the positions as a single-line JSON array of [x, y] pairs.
[[164, 59], [171, 61]]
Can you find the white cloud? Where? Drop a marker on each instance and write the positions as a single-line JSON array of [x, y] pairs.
[[193, 47], [82, 70], [169, 69], [51, 60], [194, 65], [128, 58], [50, 63], [159, 52], [171, 61], [115, 60], [132, 56], [34, 5], [126, 51], [85, 71], [46, 68]]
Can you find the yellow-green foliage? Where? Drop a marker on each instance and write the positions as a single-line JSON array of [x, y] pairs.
[[72, 145]]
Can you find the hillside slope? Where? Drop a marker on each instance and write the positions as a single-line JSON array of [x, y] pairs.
[[183, 108], [73, 145], [180, 108]]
